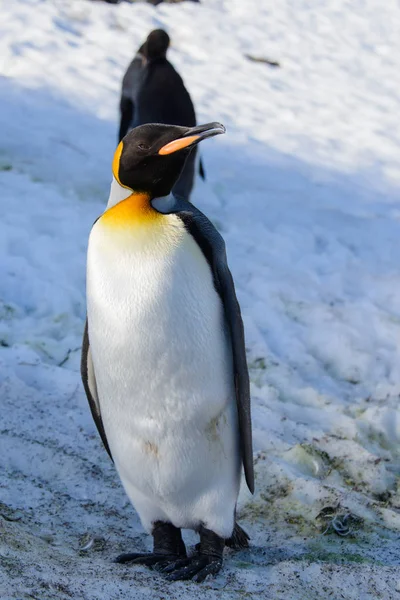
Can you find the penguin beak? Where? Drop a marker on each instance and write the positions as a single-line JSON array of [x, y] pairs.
[[193, 136]]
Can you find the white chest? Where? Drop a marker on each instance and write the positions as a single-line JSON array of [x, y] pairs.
[[163, 367], [156, 328]]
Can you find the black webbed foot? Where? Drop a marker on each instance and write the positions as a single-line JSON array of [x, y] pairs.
[[168, 546], [196, 568], [173, 565], [208, 560]]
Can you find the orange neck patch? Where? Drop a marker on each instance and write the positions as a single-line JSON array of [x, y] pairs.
[[134, 210]]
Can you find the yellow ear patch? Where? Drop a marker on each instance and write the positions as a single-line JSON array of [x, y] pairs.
[[179, 144], [135, 210], [115, 162]]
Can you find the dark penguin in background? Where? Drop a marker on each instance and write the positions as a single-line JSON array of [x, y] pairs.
[[130, 89], [160, 96], [163, 357]]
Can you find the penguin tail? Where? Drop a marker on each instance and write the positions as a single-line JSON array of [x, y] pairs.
[[239, 538]]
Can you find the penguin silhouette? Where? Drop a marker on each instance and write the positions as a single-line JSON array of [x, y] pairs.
[[130, 88]]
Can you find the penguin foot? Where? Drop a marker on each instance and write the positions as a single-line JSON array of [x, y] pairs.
[[208, 561], [238, 540], [168, 546], [196, 568]]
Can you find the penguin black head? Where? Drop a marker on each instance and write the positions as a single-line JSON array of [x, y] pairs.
[[151, 157], [157, 44]]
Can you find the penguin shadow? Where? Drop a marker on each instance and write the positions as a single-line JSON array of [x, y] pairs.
[[256, 557], [267, 555]]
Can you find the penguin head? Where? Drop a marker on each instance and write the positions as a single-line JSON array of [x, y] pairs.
[[151, 157], [157, 44]]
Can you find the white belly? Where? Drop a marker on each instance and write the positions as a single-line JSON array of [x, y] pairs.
[[163, 366]]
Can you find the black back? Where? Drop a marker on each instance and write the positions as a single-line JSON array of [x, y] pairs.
[[163, 98], [130, 88]]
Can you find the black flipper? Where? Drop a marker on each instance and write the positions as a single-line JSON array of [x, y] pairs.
[[202, 172], [213, 248], [89, 383]]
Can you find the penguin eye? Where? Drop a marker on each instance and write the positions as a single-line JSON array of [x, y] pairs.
[[142, 147]]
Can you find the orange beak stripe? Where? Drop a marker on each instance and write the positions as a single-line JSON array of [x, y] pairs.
[[178, 144]]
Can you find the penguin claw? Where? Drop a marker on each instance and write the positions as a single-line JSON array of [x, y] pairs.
[[175, 565], [123, 558], [160, 566], [212, 568], [196, 568]]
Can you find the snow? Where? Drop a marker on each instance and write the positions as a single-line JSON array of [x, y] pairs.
[[305, 189]]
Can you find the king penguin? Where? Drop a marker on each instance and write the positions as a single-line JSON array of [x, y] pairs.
[[130, 88], [154, 92], [163, 358]]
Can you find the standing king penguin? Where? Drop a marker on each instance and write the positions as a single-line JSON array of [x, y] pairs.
[[163, 358], [154, 92], [130, 89]]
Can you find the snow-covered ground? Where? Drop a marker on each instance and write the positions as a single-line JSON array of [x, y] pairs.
[[305, 188]]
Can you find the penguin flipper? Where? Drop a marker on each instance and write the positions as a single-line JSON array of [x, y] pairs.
[[89, 383], [226, 289], [202, 172], [213, 248]]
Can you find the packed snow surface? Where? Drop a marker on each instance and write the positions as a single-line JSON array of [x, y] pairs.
[[304, 187]]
